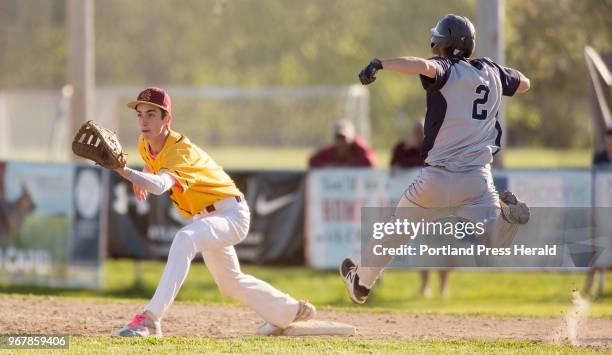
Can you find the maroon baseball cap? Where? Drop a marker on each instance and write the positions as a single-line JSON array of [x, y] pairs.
[[153, 96]]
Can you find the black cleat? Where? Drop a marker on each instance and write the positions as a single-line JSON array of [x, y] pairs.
[[348, 271], [513, 210]]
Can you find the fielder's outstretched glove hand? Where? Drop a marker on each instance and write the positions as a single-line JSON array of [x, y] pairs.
[[99, 144], [368, 74]]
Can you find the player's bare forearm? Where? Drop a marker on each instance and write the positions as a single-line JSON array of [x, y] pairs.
[[410, 66], [403, 65], [524, 85]]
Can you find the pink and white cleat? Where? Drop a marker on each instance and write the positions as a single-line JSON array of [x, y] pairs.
[[143, 325]]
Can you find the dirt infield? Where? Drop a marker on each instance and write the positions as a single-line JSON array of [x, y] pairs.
[[101, 318]]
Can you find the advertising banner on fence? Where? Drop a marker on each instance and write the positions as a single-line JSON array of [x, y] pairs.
[[145, 229], [548, 188], [602, 200], [276, 234], [333, 209], [335, 198], [50, 224]]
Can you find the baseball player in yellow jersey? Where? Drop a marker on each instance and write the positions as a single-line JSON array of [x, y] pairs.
[[199, 189]]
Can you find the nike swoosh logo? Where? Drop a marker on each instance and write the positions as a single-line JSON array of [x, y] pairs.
[[265, 207]]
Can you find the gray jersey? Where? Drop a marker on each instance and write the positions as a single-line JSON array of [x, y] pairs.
[[461, 128]]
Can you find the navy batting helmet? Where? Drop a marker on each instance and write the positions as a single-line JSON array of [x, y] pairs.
[[455, 35]]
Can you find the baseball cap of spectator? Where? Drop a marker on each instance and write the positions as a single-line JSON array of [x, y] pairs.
[[345, 128], [155, 97]]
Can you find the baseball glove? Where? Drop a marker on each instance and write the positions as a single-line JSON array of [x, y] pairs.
[[368, 74], [99, 144]]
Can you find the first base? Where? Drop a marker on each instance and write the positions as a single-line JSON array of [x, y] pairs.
[[319, 327]]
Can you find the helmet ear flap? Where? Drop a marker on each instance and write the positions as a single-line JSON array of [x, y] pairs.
[[436, 48], [453, 52], [462, 48]]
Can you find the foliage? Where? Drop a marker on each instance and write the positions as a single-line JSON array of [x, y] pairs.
[[316, 42], [546, 40]]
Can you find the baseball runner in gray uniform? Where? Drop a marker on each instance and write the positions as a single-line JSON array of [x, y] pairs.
[[461, 134]]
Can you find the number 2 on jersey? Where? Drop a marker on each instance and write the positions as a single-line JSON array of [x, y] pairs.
[[482, 115]]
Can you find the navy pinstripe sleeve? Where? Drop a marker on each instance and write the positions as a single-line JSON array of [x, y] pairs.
[[510, 78], [443, 66]]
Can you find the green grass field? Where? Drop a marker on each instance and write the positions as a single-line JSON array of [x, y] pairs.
[[297, 158], [260, 345], [256, 158], [472, 293]]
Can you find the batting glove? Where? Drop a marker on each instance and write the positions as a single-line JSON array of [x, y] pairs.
[[368, 74]]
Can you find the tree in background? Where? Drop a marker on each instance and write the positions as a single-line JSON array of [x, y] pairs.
[[546, 39], [314, 42]]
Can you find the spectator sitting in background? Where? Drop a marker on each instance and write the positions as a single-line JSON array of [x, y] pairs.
[[407, 153], [348, 149], [604, 157]]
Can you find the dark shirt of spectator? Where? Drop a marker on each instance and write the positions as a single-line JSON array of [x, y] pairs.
[[407, 153], [406, 156], [604, 157], [348, 150]]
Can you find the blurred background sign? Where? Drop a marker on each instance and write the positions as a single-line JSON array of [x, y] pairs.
[[50, 224], [145, 229]]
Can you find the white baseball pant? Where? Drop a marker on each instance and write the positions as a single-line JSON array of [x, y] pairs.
[[214, 235], [435, 193]]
